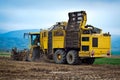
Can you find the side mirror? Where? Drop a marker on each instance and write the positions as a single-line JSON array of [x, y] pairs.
[[26, 34]]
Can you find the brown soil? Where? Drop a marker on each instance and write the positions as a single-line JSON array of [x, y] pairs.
[[21, 70]]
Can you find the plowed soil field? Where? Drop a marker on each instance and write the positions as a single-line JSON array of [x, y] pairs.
[[21, 70]]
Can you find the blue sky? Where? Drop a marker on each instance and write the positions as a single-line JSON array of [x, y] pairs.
[[36, 14]]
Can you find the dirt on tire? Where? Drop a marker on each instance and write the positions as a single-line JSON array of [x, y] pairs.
[[21, 70]]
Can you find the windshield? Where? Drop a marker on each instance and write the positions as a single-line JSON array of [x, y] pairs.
[[35, 39]]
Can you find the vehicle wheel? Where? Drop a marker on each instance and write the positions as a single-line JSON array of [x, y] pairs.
[[36, 54], [88, 60], [72, 57], [60, 57]]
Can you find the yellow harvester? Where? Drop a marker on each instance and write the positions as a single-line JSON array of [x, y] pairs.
[[71, 42]]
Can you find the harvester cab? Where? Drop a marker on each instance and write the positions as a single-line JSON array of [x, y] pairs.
[[35, 47], [34, 39]]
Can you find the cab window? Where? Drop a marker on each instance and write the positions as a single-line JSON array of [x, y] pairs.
[[35, 39]]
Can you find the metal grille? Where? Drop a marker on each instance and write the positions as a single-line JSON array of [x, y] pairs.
[[73, 29]]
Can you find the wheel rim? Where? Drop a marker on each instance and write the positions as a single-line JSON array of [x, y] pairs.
[[59, 57]]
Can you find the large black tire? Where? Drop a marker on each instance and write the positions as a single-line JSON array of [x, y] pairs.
[[60, 56], [72, 57], [88, 61], [36, 54]]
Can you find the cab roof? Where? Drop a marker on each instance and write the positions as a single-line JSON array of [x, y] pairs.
[[34, 32]]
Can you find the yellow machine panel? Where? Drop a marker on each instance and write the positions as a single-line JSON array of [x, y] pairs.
[[104, 42], [58, 38], [103, 46], [95, 45], [44, 39], [85, 45], [58, 42]]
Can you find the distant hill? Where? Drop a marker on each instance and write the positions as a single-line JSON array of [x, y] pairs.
[[15, 39], [18, 33], [7, 43]]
